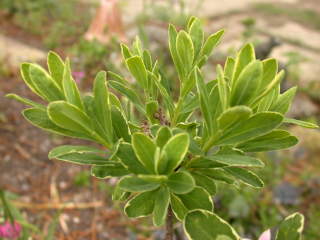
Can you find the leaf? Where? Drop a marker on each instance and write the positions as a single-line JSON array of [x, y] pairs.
[[163, 135], [205, 225], [69, 116], [291, 228], [198, 198], [147, 59], [101, 105], [144, 149], [205, 182], [45, 85], [70, 88], [120, 124], [26, 101], [283, 102], [110, 169], [244, 57], [245, 176], [136, 184], [128, 158], [56, 67], [161, 204], [185, 50], [188, 84], [177, 207], [218, 174], [229, 68], [300, 123], [151, 110], [140, 205], [270, 69], [275, 140], [204, 101], [39, 118], [25, 73], [173, 153], [125, 51], [236, 160], [138, 70], [78, 154], [197, 35], [232, 116], [203, 162], [247, 84], [257, 125], [172, 33], [222, 88], [129, 93], [211, 42], [181, 182]]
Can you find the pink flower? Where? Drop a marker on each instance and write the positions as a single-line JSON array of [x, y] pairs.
[[78, 76], [8, 230], [266, 235]]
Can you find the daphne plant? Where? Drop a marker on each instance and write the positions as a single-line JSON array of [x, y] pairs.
[[169, 151]]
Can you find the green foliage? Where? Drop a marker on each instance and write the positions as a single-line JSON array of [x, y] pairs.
[[169, 151]]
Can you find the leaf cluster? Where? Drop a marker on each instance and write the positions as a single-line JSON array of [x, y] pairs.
[[168, 152]]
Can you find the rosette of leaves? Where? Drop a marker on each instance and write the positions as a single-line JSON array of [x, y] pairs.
[[169, 152]]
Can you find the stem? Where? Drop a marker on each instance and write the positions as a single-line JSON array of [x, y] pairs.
[[169, 225]]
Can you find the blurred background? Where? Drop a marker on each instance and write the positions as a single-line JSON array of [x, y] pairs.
[[55, 200]]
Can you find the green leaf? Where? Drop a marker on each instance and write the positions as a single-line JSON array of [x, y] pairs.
[[161, 204], [144, 149], [45, 85], [147, 59], [128, 158], [153, 178], [25, 73], [236, 160], [205, 182], [151, 110], [189, 83], [138, 70], [198, 198], [39, 118], [68, 116], [205, 225], [70, 88], [270, 69], [232, 116], [277, 139], [129, 93], [218, 174], [211, 42], [110, 169], [173, 153], [120, 124], [140, 205], [163, 135], [283, 102], [177, 207], [79, 155], [204, 101], [247, 84], [257, 125], [125, 51], [181, 182], [25, 101], [229, 68], [172, 33], [244, 57], [245, 176], [197, 35], [136, 184], [203, 162], [56, 67], [222, 88], [185, 50], [101, 105], [300, 123], [291, 228]]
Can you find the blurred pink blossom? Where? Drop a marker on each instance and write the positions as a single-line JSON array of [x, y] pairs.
[[266, 235], [78, 76], [9, 230]]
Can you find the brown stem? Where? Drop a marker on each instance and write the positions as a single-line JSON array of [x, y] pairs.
[[169, 225]]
